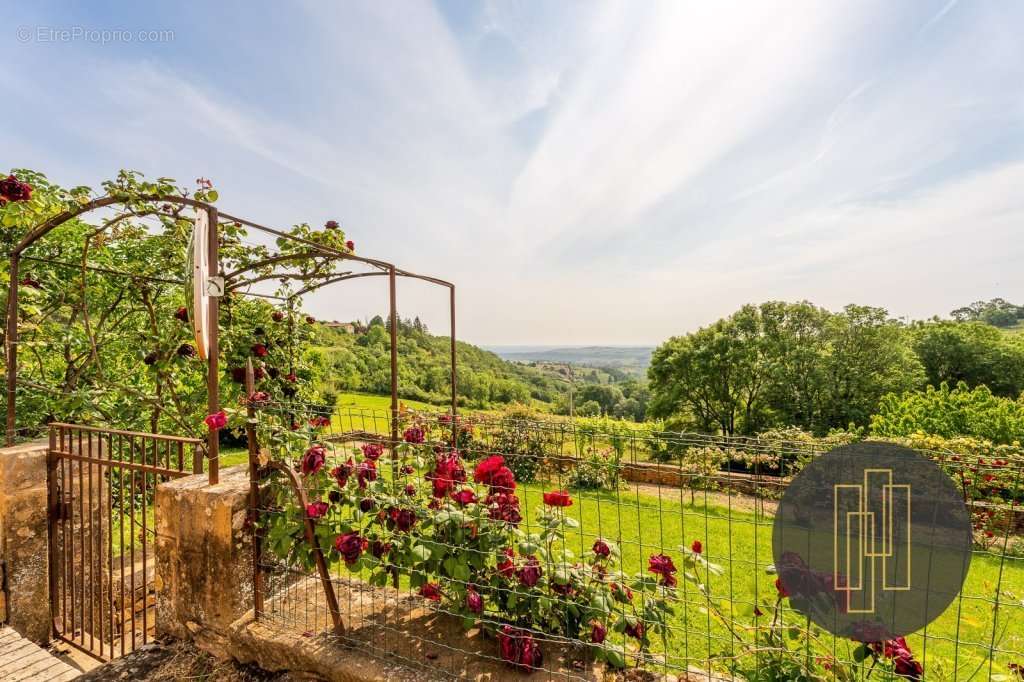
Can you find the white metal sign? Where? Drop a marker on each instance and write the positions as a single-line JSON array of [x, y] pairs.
[[200, 277]]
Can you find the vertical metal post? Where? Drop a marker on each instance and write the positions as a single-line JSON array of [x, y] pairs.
[[213, 352], [53, 502], [455, 402], [254, 490], [394, 367], [12, 347]]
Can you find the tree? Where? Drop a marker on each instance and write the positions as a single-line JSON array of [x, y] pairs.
[[971, 352], [998, 312]]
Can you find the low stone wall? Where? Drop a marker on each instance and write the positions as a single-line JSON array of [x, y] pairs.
[[674, 476]]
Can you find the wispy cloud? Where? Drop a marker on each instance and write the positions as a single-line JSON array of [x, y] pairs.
[[586, 172]]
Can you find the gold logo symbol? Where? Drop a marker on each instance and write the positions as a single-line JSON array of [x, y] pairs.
[[871, 532]]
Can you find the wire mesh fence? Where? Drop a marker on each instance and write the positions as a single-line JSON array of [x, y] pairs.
[[586, 549]]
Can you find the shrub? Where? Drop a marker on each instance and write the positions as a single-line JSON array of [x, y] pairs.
[[597, 470]]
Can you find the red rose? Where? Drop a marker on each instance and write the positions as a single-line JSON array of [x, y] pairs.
[[781, 588], [331, 225], [464, 497], [29, 282], [557, 498], [518, 648], [410, 489], [366, 504], [379, 549], [259, 350], [413, 434], [350, 546], [182, 314], [597, 631], [342, 472], [529, 574], [430, 591], [404, 519], [350, 245], [366, 471], [504, 507], [407, 469], [696, 547], [277, 316], [474, 602], [13, 189], [372, 451], [320, 421], [314, 459], [503, 480], [487, 467], [601, 548], [636, 630], [186, 351], [290, 377], [621, 593], [217, 420], [662, 565], [315, 510], [507, 566]]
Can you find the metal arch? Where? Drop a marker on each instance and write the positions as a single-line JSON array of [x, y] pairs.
[[212, 376]]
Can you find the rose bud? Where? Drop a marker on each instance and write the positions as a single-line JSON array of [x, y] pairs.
[[597, 631], [350, 245], [366, 504], [186, 351], [474, 602], [334, 496], [182, 314], [277, 316], [601, 548], [331, 225]]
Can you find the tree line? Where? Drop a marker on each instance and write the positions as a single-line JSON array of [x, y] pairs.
[[797, 364]]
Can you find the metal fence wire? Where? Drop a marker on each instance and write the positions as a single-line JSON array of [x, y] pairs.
[[661, 563]]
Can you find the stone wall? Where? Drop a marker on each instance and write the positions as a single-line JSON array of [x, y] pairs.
[[204, 574]]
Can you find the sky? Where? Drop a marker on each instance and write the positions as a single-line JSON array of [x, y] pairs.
[[585, 172]]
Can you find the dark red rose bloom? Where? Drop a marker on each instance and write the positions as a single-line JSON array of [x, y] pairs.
[[407, 469], [217, 420], [662, 565], [150, 358], [503, 480], [342, 472], [29, 282], [447, 473], [464, 497], [598, 631], [238, 375], [507, 566], [259, 350], [331, 225], [474, 602], [564, 589], [414, 434], [372, 451], [404, 519], [320, 421], [350, 245], [518, 648], [182, 314], [430, 591], [186, 351], [379, 549], [636, 630], [350, 546], [897, 650], [601, 548], [696, 547], [366, 504], [367, 471], [486, 468], [783, 592], [13, 189], [557, 498], [410, 489], [334, 496], [315, 510], [504, 507], [314, 459], [310, 319], [277, 316], [291, 378], [258, 398], [530, 572]]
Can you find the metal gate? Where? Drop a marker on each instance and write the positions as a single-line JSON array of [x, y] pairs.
[[101, 528]]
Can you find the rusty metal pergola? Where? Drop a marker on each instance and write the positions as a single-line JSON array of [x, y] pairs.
[[379, 268]]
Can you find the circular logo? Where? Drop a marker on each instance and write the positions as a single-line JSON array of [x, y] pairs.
[[872, 541]]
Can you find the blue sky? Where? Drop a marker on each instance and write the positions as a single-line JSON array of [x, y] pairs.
[[586, 172]]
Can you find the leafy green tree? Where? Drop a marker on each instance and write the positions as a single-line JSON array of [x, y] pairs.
[[949, 413], [996, 312], [971, 352]]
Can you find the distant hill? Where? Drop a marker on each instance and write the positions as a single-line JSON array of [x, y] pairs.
[[635, 358]]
